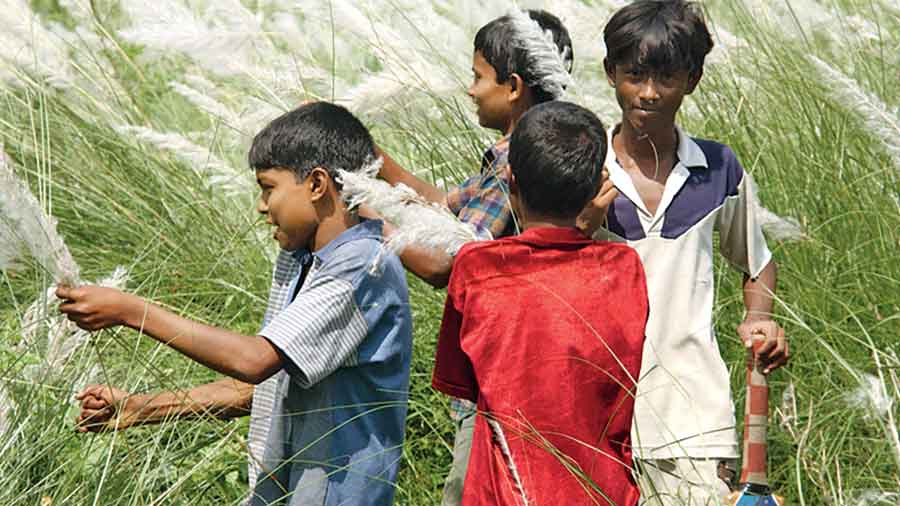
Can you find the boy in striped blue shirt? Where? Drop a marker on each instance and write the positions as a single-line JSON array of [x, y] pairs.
[[331, 363]]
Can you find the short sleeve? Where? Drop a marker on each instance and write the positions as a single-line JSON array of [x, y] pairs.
[[453, 372], [741, 239], [320, 330]]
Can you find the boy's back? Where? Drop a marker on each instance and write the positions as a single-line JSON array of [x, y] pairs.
[[552, 359]]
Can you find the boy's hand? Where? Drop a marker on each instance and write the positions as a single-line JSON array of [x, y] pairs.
[[95, 307], [594, 214], [103, 408], [774, 351]]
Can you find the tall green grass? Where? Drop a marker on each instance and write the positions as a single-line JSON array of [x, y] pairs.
[[191, 248]]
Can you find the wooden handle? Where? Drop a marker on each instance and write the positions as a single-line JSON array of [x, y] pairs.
[[756, 419]]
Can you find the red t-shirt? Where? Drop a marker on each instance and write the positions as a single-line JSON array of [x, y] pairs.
[[544, 331]]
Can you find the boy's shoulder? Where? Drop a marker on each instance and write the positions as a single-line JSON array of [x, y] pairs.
[[714, 162], [358, 255], [508, 253]]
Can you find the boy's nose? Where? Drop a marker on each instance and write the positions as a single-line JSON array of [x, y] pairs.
[[262, 207], [649, 91]]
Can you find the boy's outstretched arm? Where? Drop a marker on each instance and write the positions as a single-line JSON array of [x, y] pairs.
[[393, 173], [105, 408], [758, 301], [251, 359]]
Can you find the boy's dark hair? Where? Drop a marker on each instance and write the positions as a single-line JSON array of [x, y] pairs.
[[658, 37], [493, 40], [319, 134], [556, 154]]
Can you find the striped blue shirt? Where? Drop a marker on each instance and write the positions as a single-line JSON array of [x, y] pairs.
[[328, 429]]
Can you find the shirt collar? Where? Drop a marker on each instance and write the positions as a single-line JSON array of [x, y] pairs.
[[365, 228], [689, 155], [550, 237], [495, 152]]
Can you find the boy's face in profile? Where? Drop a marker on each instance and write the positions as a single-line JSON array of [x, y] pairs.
[[649, 100], [491, 99], [288, 205]]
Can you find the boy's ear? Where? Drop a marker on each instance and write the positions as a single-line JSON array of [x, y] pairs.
[[319, 181], [514, 196], [516, 87], [610, 72], [693, 81]]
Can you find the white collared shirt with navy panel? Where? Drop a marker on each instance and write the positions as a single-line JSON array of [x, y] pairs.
[[328, 429], [683, 406]]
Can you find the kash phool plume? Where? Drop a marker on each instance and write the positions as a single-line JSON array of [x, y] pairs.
[[418, 222], [545, 61], [25, 228]]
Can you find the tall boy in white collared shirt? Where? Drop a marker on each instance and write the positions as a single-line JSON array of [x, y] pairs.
[[674, 191]]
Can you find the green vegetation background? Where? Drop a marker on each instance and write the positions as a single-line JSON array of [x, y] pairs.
[[193, 249]]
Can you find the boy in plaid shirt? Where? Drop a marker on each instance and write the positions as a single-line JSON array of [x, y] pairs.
[[506, 83], [502, 89]]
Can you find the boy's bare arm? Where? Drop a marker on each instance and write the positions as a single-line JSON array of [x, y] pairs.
[[251, 359], [430, 265], [393, 173], [106, 408], [758, 301]]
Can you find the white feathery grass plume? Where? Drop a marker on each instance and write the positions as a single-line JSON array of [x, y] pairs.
[[26, 45], [205, 103], [30, 228], [794, 17], [871, 396], [873, 497], [401, 85], [80, 10], [168, 25], [68, 337], [63, 337], [787, 412], [581, 21], [216, 172], [777, 227], [226, 40], [418, 222], [884, 123], [200, 82], [10, 251], [6, 407], [545, 61]]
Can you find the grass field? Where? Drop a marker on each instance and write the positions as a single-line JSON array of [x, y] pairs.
[[130, 120]]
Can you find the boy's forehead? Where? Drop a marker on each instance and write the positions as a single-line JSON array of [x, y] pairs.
[[480, 63], [271, 173]]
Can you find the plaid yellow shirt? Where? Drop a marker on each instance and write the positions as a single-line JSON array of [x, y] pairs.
[[483, 201]]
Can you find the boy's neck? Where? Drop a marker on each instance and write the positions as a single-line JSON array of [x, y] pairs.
[[519, 109], [640, 145], [528, 222], [332, 226]]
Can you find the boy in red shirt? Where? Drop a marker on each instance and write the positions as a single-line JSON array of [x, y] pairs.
[[551, 360]]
